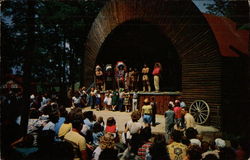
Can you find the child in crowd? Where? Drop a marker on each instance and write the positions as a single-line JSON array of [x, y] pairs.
[[98, 100], [111, 127], [126, 101], [108, 100], [115, 98], [97, 133], [101, 122]]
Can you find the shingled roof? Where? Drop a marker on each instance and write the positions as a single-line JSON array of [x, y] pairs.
[[230, 40]]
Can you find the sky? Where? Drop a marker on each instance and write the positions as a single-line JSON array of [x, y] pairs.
[[200, 4]]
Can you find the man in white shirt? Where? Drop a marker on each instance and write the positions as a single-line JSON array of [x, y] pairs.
[[189, 119]]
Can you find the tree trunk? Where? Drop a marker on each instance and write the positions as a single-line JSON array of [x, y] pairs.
[[30, 48]]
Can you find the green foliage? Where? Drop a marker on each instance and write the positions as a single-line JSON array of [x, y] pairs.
[[61, 28]]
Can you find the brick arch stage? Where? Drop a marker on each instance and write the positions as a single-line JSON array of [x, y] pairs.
[[188, 31]]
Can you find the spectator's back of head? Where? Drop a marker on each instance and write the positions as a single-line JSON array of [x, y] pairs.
[[100, 120], [177, 135], [191, 133], [146, 133], [54, 117], [63, 111], [111, 121], [89, 115], [34, 113], [194, 152], [77, 124], [135, 116], [97, 127], [75, 113]]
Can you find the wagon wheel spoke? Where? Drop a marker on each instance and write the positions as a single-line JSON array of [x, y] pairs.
[[200, 110]]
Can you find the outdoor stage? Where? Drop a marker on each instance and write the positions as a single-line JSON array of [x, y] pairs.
[[161, 98]]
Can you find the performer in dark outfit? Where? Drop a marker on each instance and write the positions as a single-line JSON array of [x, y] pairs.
[[109, 77]]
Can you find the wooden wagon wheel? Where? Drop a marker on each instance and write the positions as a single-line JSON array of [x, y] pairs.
[[200, 110]]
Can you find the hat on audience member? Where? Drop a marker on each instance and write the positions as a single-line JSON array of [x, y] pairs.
[[220, 143], [195, 141]]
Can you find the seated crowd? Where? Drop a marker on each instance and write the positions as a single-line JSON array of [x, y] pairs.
[[55, 133]]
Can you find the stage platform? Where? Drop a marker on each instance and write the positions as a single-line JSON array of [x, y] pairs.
[[161, 98]]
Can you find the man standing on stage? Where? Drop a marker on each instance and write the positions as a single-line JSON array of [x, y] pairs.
[[156, 73], [145, 78]]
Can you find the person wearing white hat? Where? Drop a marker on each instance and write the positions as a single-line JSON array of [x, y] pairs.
[[120, 74], [220, 143]]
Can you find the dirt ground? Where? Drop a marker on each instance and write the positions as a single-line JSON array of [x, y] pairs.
[[121, 118]]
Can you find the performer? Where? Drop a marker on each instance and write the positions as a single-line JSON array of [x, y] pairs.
[[109, 78], [131, 79], [145, 79], [120, 74], [99, 77], [136, 79], [126, 80], [156, 73]]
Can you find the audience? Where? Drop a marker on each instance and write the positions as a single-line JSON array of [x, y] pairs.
[[56, 134]]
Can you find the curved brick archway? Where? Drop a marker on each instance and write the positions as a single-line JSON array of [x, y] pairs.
[[188, 32]]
